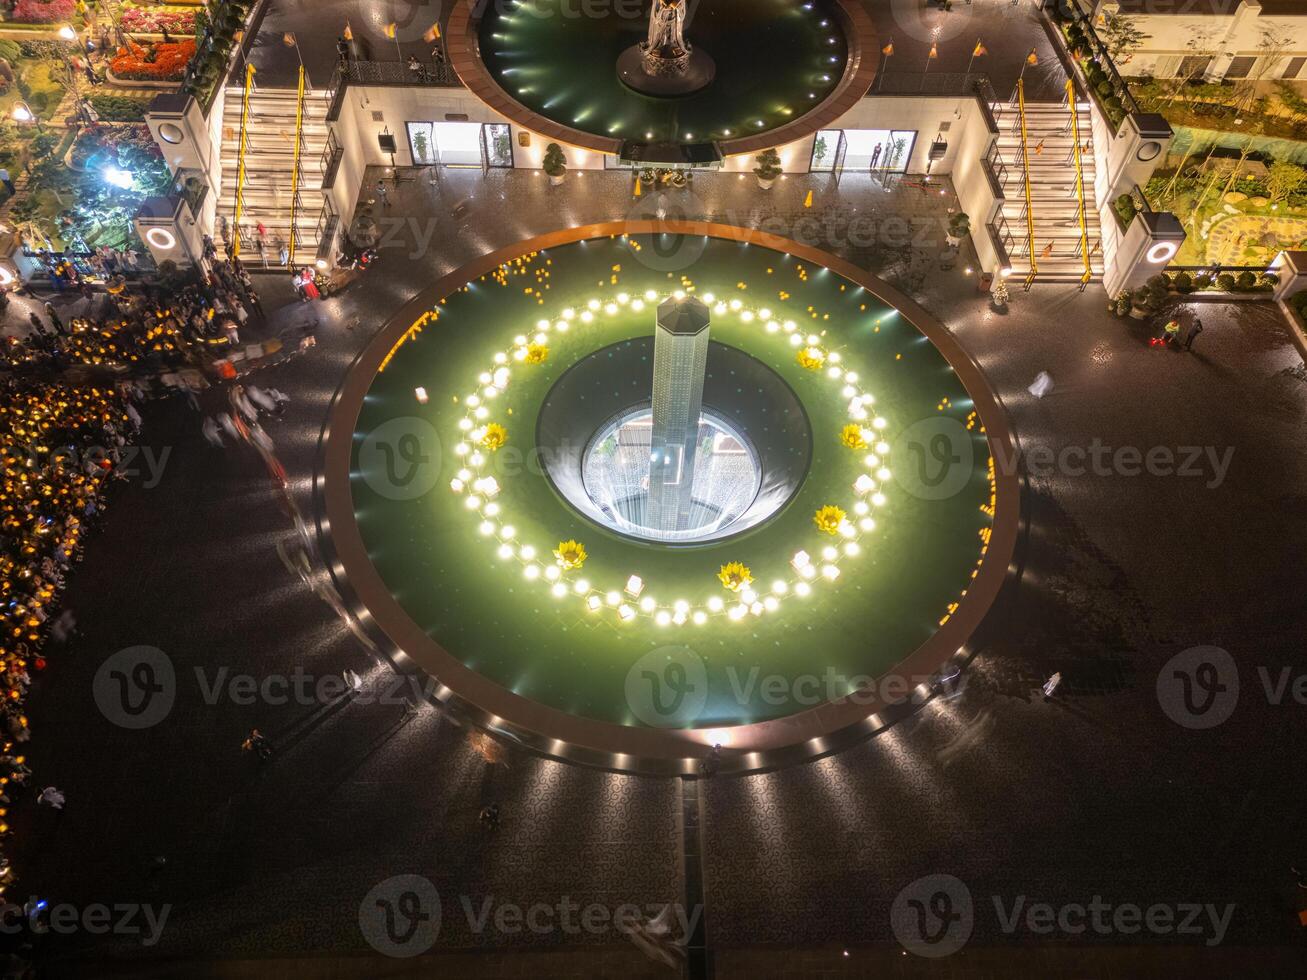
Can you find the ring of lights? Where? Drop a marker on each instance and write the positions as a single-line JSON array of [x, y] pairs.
[[633, 597], [627, 747]]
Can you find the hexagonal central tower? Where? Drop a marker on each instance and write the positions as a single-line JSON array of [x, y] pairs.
[[680, 363]]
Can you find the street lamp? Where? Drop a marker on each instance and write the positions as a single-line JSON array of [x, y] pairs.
[[22, 112]]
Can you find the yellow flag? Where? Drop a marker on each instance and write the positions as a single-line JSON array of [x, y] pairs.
[[433, 34], [888, 49], [288, 39], [1032, 58], [349, 32], [391, 28], [934, 51], [980, 49]]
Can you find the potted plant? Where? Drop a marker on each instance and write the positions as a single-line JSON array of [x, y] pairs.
[[998, 294], [959, 227], [819, 151], [1148, 298], [555, 163], [1121, 305], [768, 169], [420, 144]]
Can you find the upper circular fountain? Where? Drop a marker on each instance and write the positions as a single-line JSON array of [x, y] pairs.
[[667, 81]]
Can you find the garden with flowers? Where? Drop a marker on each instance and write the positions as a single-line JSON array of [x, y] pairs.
[[862, 564]]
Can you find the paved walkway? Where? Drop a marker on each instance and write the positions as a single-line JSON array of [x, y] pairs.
[[1096, 793]]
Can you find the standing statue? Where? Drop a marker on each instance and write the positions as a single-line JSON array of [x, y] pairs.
[[664, 65], [667, 30]]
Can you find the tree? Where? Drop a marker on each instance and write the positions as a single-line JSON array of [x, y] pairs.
[[1284, 180], [1121, 37], [1271, 50]]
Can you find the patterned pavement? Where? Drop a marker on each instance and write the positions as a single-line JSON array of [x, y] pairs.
[[1098, 792]]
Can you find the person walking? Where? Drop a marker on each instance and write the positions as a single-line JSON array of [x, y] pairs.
[[1195, 329], [212, 434], [383, 194], [353, 682], [258, 743], [53, 314]]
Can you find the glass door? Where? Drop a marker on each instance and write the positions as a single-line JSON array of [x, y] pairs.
[[422, 143], [497, 142], [825, 150]]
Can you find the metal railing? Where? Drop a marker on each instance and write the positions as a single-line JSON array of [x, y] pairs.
[[239, 54], [1080, 180], [240, 168], [328, 223], [295, 166], [1025, 168], [329, 163], [929, 83], [351, 71], [1099, 51]]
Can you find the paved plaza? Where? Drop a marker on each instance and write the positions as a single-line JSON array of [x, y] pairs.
[[1099, 792]]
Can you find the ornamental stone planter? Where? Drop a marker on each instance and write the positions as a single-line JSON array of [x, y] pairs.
[[766, 184], [556, 179]]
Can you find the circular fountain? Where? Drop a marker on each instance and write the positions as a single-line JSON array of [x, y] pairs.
[[592, 512], [667, 82]]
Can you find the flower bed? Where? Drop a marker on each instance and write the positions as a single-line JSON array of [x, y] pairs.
[[43, 11], [178, 21], [153, 62]]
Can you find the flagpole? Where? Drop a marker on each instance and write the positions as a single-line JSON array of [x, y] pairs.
[[888, 52], [973, 58]]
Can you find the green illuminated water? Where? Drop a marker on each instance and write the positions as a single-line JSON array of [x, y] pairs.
[[776, 60], [448, 577]]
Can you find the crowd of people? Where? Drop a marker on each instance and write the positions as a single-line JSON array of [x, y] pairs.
[[146, 329], [60, 446]]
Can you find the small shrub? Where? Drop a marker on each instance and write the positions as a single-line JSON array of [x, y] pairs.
[[1246, 280], [554, 163], [1104, 88], [1202, 281], [1184, 282], [1225, 282], [1269, 279]]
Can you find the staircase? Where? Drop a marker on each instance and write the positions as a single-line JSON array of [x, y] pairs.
[[1053, 202], [269, 166]]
